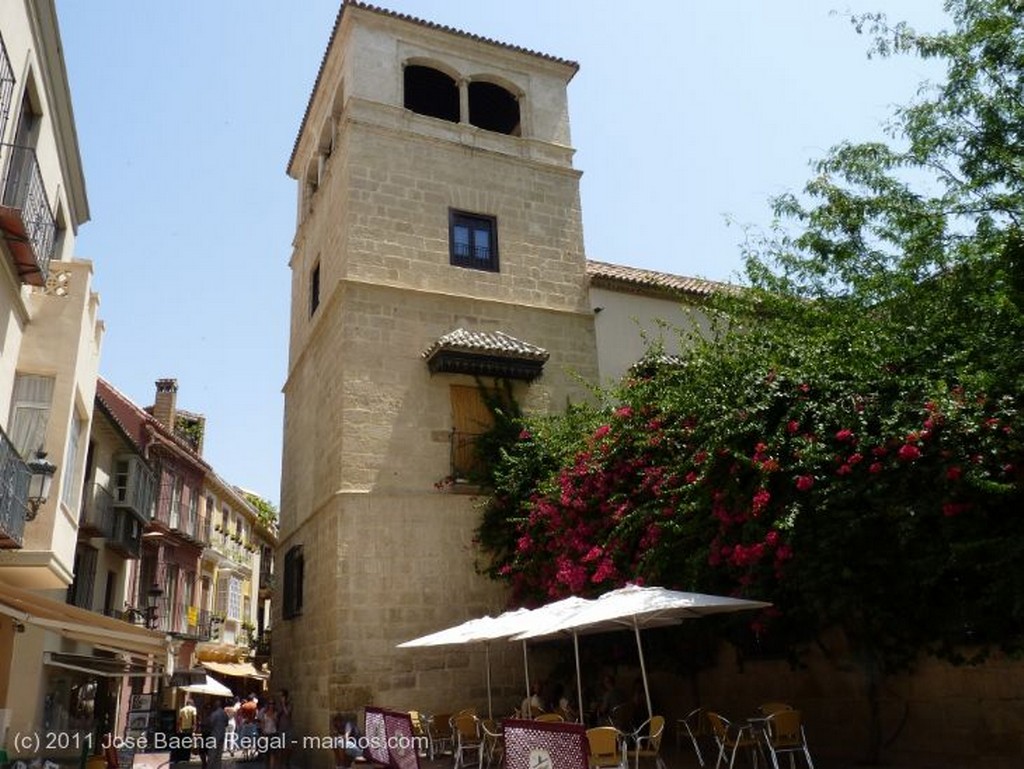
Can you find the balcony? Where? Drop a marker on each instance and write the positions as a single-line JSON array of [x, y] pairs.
[[6, 86], [133, 486], [97, 519], [26, 219], [266, 576], [205, 624], [203, 528], [125, 535], [262, 648], [14, 477], [231, 548], [193, 527]]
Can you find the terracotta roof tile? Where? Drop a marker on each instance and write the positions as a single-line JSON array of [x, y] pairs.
[[606, 275], [487, 343], [137, 424]]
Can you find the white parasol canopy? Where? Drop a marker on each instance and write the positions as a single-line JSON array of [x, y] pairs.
[[487, 629], [211, 686], [479, 630], [635, 607]]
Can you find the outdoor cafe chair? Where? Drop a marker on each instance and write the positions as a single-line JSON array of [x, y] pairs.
[[494, 742], [693, 725], [468, 741], [550, 717], [606, 748], [647, 741], [768, 708], [732, 738], [621, 717], [439, 734], [784, 733], [419, 731]]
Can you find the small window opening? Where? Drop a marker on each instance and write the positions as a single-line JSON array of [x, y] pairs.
[[493, 108], [314, 289], [431, 92], [294, 568]]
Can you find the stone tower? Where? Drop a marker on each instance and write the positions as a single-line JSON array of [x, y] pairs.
[[438, 245]]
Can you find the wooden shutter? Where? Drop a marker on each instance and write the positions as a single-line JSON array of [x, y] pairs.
[[470, 418]]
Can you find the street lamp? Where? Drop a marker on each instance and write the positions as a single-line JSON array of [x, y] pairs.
[[152, 598], [42, 471]]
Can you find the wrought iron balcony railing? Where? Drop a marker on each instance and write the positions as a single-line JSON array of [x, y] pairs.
[[26, 218], [266, 576], [232, 547], [126, 533], [204, 627], [6, 86], [14, 476]]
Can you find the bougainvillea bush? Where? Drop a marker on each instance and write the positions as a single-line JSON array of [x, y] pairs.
[[846, 443]]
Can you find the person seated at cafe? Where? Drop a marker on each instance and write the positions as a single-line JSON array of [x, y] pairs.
[[561, 703], [344, 740], [533, 705]]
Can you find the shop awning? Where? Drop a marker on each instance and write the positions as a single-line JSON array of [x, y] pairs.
[[100, 666], [79, 624], [236, 669]]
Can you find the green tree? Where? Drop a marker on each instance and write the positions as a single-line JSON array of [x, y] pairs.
[[265, 510], [847, 444]]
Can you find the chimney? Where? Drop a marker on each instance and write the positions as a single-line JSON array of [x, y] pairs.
[[164, 408]]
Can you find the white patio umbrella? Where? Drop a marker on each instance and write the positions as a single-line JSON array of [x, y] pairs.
[[635, 607], [487, 629], [478, 630], [210, 686]]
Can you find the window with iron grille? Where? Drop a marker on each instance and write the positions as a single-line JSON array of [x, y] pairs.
[[471, 418], [473, 241], [293, 578]]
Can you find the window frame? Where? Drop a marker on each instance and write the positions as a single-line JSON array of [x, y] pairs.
[[31, 404], [475, 223], [69, 487]]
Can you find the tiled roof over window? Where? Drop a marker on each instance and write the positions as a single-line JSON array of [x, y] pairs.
[[485, 353], [621, 277]]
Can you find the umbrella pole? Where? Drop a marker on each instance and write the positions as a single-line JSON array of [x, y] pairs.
[[643, 667], [579, 679], [526, 667], [487, 651]]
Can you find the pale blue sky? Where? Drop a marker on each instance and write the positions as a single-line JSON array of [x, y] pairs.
[[683, 112]]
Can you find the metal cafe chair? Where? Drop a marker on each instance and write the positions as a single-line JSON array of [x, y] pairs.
[[647, 741], [606, 748], [784, 734], [731, 739], [693, 725], [468, 741]]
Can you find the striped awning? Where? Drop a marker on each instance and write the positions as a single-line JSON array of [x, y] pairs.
[[235, 669], [32, 608]]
